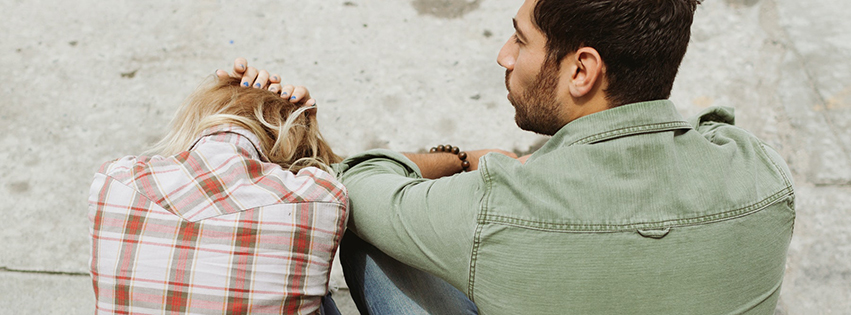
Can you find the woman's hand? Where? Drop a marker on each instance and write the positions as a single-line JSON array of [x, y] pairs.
[[261, 79]]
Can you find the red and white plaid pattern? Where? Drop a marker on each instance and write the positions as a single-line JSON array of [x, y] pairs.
[[213, 230]]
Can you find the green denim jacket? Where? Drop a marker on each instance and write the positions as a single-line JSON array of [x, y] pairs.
[[626, 211]]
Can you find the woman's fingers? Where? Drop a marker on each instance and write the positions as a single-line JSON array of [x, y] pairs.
[[287, 91], [262, 80], [248, 77], [299, 95], [239, 67], [275, 88], [251, 77], [222, 74]]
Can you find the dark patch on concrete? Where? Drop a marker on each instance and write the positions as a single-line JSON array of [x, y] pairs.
[[72, 43], [487, 33], [376, 143], [447, 126], [129, 75], [19, 187], [151, 140], [350, 4], [447, 9], [391, 103], [476, 97], [741, 3], [33, 161]]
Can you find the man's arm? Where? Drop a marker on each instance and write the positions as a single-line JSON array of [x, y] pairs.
[[428, 224], [440, 164]]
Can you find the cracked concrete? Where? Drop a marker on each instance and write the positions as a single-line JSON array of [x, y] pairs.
[[91, 81]]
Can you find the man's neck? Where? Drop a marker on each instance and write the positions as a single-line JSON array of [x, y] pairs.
[[593, 105]]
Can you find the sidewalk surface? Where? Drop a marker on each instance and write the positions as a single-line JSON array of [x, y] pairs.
[[90, 81]]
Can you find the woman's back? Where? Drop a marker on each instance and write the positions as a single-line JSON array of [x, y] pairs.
[[216, 228]]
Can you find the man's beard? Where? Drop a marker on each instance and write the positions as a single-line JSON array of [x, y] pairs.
[[536, 108]]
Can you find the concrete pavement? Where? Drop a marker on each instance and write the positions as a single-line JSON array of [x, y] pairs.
[[91, 81]]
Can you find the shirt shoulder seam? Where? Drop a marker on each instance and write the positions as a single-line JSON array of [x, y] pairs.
[[140, 194]]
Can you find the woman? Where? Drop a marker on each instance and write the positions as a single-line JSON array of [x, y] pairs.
[[238, 212]]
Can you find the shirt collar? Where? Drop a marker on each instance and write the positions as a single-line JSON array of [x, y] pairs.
[[621, 121], [240, 137]]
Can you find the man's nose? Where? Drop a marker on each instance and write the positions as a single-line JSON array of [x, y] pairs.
[[507, 55]]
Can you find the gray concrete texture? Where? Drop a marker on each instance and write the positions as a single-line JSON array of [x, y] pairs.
[[90, 81]]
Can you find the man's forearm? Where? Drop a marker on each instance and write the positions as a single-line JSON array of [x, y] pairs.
[[436, 165]]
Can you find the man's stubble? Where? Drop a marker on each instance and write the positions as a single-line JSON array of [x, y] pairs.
[[536, 107]]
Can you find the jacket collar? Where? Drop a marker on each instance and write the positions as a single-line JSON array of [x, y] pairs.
[[621, 121]]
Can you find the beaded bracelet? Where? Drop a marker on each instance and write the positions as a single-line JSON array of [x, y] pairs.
[[454, 150]]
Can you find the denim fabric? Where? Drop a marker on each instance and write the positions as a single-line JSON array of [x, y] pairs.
[[380, 284], [328, 307], [629, 210]]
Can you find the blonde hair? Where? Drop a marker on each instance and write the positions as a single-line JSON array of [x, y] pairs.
[[289, 135]]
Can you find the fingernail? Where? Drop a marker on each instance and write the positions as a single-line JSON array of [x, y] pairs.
[[284, 94], [275, 78], [244, 83], [241, 66], [292, 98], [257, 85]]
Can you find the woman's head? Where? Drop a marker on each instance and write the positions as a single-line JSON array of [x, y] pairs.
[[289, 134]]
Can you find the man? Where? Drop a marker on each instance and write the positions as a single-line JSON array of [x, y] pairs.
[[628, 208]]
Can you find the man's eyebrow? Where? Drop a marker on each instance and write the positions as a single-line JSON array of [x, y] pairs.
[[517, 29]]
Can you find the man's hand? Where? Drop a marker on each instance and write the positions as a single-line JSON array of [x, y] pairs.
[[261, 79]]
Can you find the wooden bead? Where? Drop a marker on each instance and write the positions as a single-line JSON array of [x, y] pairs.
[[447, 147], [462, 155], [432, 150], [455, 150], [465, 164], [441, 148]]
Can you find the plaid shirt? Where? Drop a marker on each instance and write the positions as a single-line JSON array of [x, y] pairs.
[[213, 230]]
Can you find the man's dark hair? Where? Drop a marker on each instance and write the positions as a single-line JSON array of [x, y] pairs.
[[642, 42]]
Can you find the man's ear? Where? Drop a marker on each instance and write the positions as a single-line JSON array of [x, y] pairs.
[[586, 68]]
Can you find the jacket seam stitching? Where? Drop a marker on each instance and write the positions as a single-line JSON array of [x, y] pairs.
[[791, 202], [604, 228], [480, 220], [776, 167], [630, 130]]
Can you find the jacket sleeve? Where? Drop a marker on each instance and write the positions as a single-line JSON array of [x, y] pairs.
[[428, 224]]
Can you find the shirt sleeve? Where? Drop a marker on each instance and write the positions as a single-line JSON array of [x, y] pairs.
[[428, 224]]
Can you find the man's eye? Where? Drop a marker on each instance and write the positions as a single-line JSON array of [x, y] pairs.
[[517, 39]]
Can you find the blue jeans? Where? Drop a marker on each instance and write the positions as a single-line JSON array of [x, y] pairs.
[[328, 307], [380, 284]]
